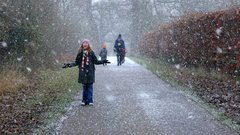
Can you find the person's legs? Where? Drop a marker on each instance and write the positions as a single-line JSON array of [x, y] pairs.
[[104, 64], [90, 93], [118, 59], [102, 60], [84, 93], [121, 58]]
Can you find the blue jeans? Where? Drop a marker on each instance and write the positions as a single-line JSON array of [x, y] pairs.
[[87, 93]]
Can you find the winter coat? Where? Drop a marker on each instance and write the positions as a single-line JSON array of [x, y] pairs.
[[87, 75], [103, 54], [119, 44]]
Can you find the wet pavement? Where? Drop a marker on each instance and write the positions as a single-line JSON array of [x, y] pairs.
[[130, 100]]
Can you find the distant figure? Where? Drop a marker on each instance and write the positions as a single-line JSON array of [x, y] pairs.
[[119, 49], [103, 53]]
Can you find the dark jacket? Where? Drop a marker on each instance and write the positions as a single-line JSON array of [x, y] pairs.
[[88, 74], [103, 54], [119, 45]]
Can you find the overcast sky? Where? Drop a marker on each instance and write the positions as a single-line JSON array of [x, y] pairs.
[[95, 1]]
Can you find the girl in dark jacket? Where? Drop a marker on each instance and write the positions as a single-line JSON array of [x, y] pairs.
[[85, 61]]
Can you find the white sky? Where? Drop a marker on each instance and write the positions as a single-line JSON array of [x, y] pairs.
[[95, 1]]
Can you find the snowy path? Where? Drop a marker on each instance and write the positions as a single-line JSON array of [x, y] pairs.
[[130, 100]]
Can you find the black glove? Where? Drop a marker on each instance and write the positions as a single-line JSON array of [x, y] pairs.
[[106, 61], [66, 65]]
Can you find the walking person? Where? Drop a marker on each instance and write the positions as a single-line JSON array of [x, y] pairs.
[[86, 60], [119, 48], [103, 53]]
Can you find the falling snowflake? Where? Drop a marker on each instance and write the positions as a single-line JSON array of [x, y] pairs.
[[57, 61], [177, 66], [4, 44], [237, 82], [190, 117], [20, 58], [219, 31], [29, 69], [219, 50]]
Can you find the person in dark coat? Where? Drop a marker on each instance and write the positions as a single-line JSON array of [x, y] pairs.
[[86, 60], [119, 48], [103, 53]]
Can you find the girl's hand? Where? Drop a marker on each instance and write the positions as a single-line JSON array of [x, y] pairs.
[[66, 65]]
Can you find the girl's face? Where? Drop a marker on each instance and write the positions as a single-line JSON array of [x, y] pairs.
[[85, 45]]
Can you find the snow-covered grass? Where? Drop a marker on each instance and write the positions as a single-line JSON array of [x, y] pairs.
[[199, 71], [161, 68], [166, 70], [56, 89]]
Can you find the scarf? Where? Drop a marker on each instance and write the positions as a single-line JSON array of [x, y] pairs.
[[85, 59]]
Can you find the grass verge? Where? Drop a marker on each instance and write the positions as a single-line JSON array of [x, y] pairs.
[[11, 81], [54, 92]]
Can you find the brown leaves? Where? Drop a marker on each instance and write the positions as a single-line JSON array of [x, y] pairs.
[[223, 94], [15, 117]]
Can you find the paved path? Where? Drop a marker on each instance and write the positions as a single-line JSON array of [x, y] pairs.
[[130, 100]]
